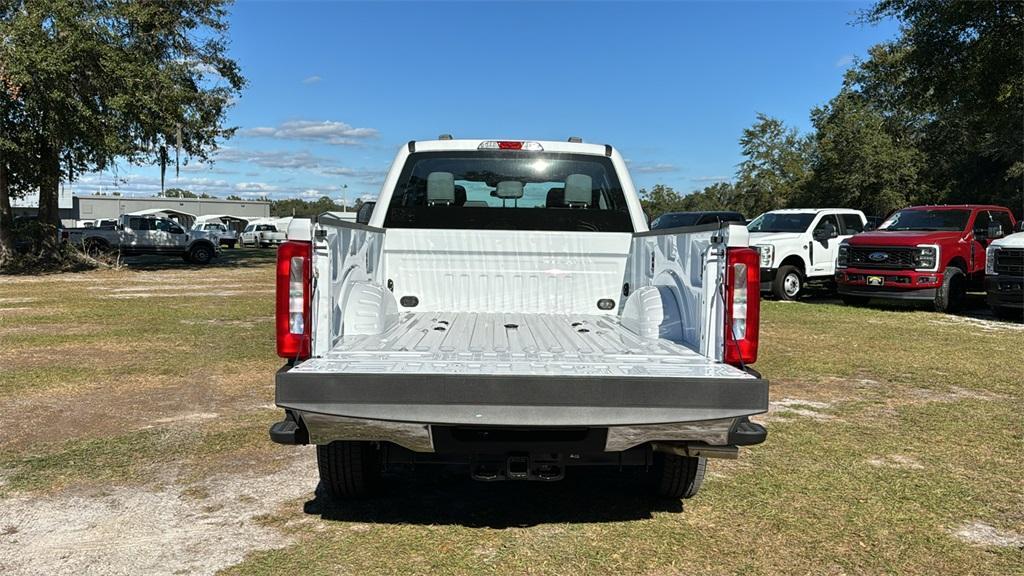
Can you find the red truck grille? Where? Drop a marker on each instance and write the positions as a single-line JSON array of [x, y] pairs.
[[882, 258], [1009, 261]]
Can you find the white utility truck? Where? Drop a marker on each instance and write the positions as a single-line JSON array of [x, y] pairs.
[[506, 308], [801, 245]]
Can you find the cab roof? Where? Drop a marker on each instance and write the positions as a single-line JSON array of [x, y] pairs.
[[474, 144]]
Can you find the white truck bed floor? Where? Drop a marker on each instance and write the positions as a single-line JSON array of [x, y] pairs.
[[515, 344]]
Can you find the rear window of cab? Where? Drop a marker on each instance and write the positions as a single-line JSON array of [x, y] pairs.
[[487, 190]]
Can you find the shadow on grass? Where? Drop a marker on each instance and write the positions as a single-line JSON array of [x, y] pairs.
[[432, 495], [974, 306], [228, 258]]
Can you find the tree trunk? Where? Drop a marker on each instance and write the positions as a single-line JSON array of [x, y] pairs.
[[6, 218], [49, 206]]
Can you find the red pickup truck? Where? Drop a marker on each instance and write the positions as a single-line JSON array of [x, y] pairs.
[[928, 253]]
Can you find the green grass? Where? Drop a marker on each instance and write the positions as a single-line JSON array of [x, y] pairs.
[[922, 433], [807, 501]]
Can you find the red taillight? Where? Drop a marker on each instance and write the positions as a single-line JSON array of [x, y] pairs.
[[294, 275], [742, 305], [505, 145]]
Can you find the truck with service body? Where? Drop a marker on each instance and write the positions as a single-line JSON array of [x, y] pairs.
[[798, 246], [138, 234], [1004, 274], [506, 308], [930, 254]]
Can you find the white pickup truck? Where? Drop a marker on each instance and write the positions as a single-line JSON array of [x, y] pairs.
[[506, 308], [262, 234], [801, 245], [137, 234]]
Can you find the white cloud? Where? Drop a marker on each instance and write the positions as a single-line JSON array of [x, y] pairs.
[[710, 179], [311, 80], [326, 131], [271, 158], [653, 168], [845, 60], [255, 187]]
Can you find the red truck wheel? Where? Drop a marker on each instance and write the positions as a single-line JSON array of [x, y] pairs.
[[950, 296]]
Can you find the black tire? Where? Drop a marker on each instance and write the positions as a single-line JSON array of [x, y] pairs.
[[348, 469], [677, 476], [950, 296], [851, 300], [200, 254], [788, 283]]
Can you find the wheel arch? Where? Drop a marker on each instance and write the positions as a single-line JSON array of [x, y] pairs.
[[957, 261], [794, 260]]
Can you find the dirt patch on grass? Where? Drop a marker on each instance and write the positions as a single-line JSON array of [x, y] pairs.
[[24, 300], [982, 324], [199, 529], [896, 461], [781, 409], [189, 294], [981, 534], [132, 404], [953, 394]]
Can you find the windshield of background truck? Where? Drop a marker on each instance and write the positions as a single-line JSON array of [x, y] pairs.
[[781, 222], [927, 220], [486, 190]]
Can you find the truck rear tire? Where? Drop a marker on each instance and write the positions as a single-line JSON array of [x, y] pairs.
[[950, 296], [789, 283], [201, 254], [348, 469], [677, 476]]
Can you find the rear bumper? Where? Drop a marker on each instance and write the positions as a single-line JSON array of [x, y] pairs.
[[402, 408], [1005, 291]]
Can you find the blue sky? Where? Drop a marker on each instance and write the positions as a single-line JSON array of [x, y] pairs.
[[335, 87]]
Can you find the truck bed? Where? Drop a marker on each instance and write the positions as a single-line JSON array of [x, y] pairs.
[[519, 344], [517, 369]]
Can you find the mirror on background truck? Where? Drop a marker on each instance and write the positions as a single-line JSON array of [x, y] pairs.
[[364, 213], [995, 231]]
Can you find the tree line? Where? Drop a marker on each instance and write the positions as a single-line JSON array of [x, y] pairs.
[[933, 116]]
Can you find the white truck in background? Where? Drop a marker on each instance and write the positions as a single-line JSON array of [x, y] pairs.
[[801, 245], [264, 233], [1004, 274], [137, 235], [506, 308]]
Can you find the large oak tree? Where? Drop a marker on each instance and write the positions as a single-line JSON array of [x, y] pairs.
[[85, 83]]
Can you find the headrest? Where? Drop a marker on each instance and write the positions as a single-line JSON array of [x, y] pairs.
[[578, 188], [460, 195], [556, 198], [508, 189], [440, 188]]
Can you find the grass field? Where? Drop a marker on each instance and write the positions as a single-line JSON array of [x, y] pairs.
[[136, 403]]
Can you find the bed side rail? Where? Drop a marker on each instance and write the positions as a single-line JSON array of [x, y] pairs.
[[686, 266], [347, 264]]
